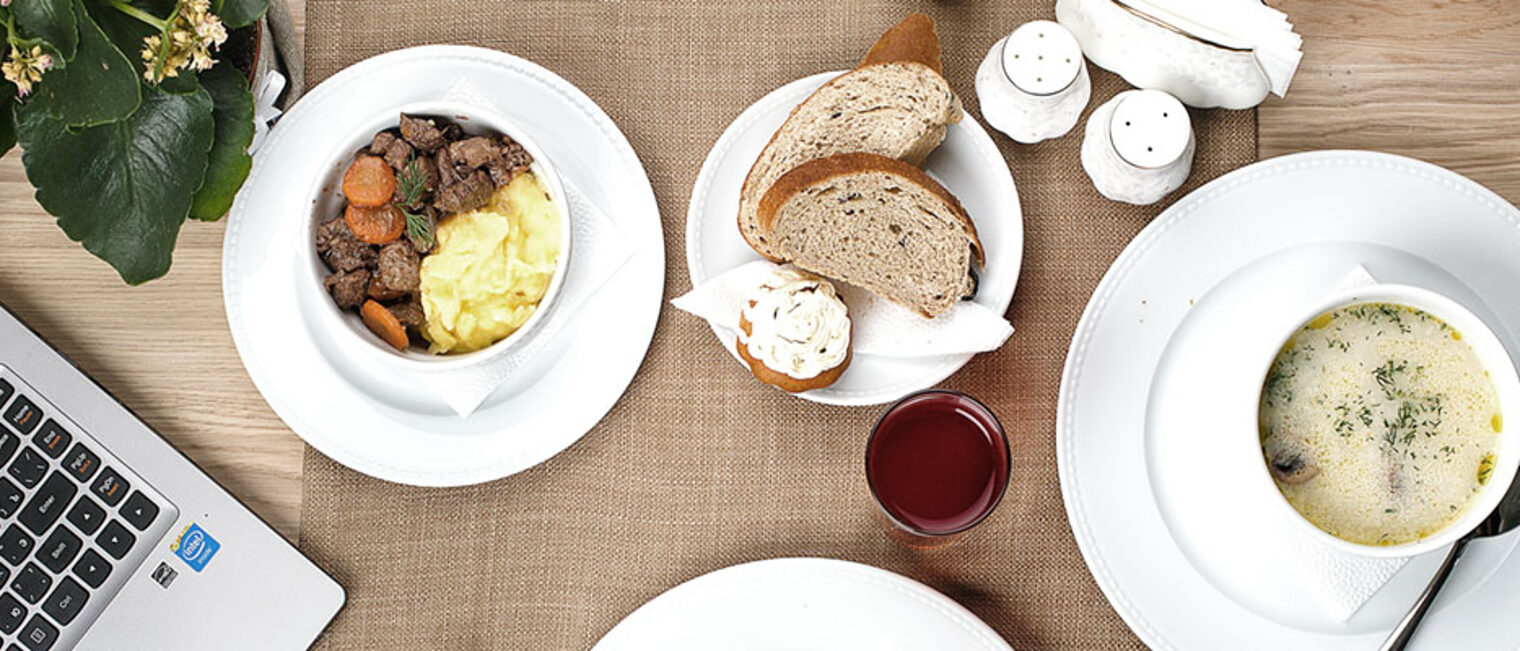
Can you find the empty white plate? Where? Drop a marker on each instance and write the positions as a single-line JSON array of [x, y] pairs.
[[801, 603]]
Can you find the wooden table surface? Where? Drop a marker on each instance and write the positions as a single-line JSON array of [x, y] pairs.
[[1434, 79]]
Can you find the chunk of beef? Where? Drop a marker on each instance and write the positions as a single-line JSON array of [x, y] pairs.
[[471, 192], [514, 160], [380, 292], [348, 288], [422, 133], [331, 231], [423, 241], [409, 313], [473, 153], [399, 268], [340, 250], [513, 153], [429, 184], [382, 143], [397, 154], [443, 164]]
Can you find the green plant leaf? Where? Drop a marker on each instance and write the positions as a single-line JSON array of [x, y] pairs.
[[239, 13], [229, 162], [98, 87], [123, 30], [52, 20], [122, 189], [7, 118]]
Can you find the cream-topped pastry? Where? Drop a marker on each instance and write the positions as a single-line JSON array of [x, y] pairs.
[[795, 334]]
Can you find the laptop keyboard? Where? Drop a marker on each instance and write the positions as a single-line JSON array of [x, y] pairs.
[[74, 523]]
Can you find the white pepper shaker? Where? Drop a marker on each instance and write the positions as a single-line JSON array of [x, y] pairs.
[[1033, 85], [1138, 146]]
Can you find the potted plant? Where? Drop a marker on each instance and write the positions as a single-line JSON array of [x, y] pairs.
[[128, 123]]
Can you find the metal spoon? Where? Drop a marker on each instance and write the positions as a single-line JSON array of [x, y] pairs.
[[1503, 519]]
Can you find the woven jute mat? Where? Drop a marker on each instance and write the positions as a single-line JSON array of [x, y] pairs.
[[699, 466]]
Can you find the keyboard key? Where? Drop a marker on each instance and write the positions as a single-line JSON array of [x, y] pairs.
[[64, 604], [29, 467], [92, 568], [87, 516], [81, 463], [8, 444], [110, 487], [39, 635], [10, 498], [31, 583], [12, 613], [23, 415], [115, 540], [53, 438], [139, 511], [59, 550], [48, 503], [6, 391], [15, 545]]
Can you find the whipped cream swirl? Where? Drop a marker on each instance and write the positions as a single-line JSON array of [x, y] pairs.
[[798, 325]]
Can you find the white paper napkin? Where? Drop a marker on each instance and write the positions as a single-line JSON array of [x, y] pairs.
[[1243, 23], [1336, 581], [598, 249], [882, 327]]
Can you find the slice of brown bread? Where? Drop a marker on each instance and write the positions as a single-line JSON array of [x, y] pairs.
[[876, 222], [895, 104], [911, 39]]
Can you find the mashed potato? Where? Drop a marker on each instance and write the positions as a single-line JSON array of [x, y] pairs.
[[490, 268]]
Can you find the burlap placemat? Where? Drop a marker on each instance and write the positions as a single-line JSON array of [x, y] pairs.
[[699, 466]]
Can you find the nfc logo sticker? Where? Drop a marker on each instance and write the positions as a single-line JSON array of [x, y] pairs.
[[195, 547], [164, 575]]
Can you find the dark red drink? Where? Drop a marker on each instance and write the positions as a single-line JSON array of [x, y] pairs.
[[937, 462]]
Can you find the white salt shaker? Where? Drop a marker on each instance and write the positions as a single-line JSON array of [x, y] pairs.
[[1033, 85], [1138, 146]]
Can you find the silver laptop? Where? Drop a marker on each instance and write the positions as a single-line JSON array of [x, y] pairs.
[[111, 539]]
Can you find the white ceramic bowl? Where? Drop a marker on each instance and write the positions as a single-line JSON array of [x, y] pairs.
[[326, 200], [1495, 358]]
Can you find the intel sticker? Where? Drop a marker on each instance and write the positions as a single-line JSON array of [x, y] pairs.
[[195, 547]]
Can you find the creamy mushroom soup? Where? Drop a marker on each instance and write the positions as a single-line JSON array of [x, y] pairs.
[[1379, 424]]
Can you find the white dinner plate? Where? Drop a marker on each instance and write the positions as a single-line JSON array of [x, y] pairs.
[[1155, 531], [794, 604], [412, 437], [967, 163]]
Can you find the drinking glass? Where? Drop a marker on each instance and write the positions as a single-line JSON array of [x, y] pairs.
[[937, 463]]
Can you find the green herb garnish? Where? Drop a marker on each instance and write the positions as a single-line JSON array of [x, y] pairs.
[[413, 181]]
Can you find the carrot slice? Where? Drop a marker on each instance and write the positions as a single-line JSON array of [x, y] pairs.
[[381, 225], [369, 182], [385, 325]]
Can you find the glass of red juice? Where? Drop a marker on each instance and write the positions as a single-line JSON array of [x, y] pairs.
[[937, 464]]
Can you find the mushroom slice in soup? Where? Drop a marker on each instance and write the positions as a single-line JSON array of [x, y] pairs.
[[1292, 468]]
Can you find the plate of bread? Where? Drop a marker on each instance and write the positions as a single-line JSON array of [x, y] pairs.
[[863, 208]]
